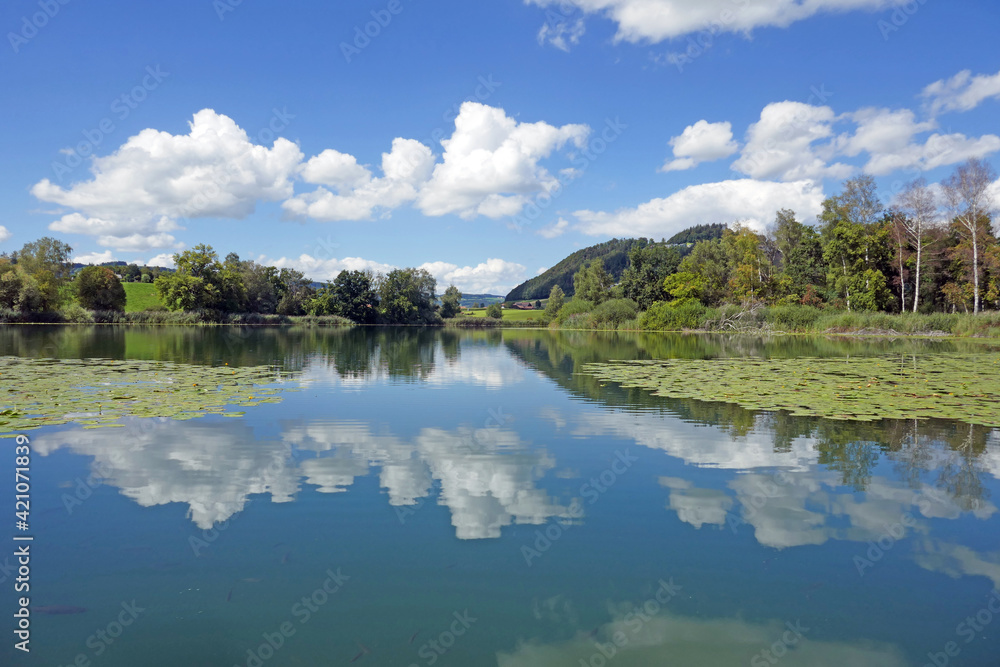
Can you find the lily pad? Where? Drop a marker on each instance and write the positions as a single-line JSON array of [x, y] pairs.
[[98, 392], [964, 387]]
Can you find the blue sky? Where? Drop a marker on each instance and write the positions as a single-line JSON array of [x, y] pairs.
[[484, 141]]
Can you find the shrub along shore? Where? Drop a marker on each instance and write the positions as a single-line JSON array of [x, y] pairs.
[[692, 318]]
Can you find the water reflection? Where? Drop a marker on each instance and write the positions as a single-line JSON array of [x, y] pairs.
[[487, 476], [213, 468], [720, 492]]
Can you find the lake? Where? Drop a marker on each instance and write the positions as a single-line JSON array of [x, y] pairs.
[[381, 496]]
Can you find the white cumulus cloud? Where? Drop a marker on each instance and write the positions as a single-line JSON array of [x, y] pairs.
[[701, 142], [962, 92], [494, 276], [659, 20], [140, 242], [753, 202], [156, 177], [4, 234], [782, 144], [165, 260], [557, 229], [491, 164], [355, 193], [95, 257], [562, 34]]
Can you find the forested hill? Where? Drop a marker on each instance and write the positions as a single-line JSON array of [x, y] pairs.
[[613, 253], [698, 233]]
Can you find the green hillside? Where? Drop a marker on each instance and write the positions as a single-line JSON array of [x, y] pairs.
[[140, 296], [613, 253]]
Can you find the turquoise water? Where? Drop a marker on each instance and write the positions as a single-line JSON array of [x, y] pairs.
[[440, 498]]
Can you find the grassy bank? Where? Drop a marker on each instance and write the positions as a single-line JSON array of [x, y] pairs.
[[782, 319], [78, 315]]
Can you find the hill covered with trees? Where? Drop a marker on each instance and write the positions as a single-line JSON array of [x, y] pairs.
[[613, 254]]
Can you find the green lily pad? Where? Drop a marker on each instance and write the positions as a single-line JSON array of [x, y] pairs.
[[964, 387]]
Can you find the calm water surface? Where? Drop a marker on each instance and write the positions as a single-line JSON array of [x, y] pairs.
[[440, 498]]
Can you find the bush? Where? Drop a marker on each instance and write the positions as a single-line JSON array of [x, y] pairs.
[[579, 321], [663, 316], [793, 318], [74, 313], [611, 314], [495, 311], [570, 308]]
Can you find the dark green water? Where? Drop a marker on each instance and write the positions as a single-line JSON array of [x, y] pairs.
[[447, 498]]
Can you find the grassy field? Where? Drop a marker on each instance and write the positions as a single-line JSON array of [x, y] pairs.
[[509, 315], [140, 297]]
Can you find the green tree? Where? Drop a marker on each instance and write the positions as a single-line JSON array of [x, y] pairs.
[[260, 283], [494, 310], [295, 292], [538, 304], [856, 247], [451, 302], [98, 288], [709, 261], [47, 262], [351, 295], [195, 283], [180, 291], [407, 297], [592, 283], [684, 287], [556, 300], [800, 252], [750, 273], [649, 265], [18, 290]]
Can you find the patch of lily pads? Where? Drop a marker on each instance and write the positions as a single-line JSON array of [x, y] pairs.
[[99, 392], [964, 387]]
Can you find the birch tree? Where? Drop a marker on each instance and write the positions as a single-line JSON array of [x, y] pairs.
[[967, 192], [919, 206]]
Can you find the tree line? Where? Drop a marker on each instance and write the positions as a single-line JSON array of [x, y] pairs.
[[40, 278], [933, 250]]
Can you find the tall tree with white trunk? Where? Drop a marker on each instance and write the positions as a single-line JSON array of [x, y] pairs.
[[967, 192]]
